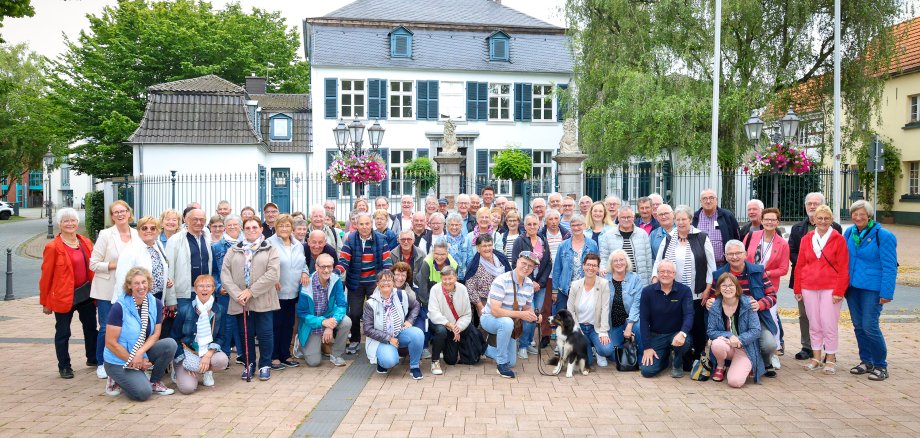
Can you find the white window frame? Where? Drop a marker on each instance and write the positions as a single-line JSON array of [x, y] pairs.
[[452, 100], [502, 101], [399, 185], [543, 101], [354, 95], [913, 114], [503, 187], [401, 95], [913, 178], [542, 172]]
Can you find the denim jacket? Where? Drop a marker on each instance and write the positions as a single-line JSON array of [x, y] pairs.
[[562, 269], [632, 291]]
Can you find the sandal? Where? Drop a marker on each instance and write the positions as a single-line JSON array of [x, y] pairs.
[[878, 374], [813, 364], [830, 368], [718, 375], [862, 368]]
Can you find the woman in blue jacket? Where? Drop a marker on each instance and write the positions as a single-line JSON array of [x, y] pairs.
[[625, 291], [734, 329], [569, 261], [873, 270]]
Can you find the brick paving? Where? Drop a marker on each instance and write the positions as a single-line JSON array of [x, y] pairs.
[[466, 400]]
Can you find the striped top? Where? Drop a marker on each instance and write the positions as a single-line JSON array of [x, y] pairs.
[[363, 259], [503, 290]]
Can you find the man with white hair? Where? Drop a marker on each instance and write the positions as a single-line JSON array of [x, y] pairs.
[[718, 223], [584, 205], [555, 201], [408, 252], [463, 208], [403, 219], [656, 201], [754, 213], [538, 207], [632, 239], [568, 209], [420, 230], [812, 202], [613, 202], [665, 216], [475, 203], [318, 223]]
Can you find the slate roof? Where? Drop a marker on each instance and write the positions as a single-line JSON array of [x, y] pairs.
[[297, 102], [336, 46], [458, 12], [302, 138], [209, 84]]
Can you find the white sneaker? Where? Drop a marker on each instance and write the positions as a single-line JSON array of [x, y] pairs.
[[774, 360], [436, 368], [112, 388], [336, 361], [601, 361], [100, 372], [208, 378], [522, 353], [532, 349]]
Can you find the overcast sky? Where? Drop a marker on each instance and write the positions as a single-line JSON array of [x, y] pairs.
[[54, 17]]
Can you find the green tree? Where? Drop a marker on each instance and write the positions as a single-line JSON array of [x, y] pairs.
[[644, 71], [27, 122], [15, 9], [100, 82]]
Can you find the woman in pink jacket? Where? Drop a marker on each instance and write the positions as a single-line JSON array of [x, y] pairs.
[[767, 247]]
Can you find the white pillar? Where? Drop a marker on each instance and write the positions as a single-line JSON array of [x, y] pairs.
[[716, 79]]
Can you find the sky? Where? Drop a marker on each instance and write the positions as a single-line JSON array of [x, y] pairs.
[[43, 32]]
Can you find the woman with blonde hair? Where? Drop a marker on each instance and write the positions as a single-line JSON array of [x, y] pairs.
[[170, 222], [597, 222]]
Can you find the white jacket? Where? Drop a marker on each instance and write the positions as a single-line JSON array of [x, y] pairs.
[[439, 311], [137, 255], [612, 240], [108, 247], [179, 258]]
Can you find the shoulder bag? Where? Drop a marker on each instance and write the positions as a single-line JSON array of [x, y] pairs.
[[81, 293]]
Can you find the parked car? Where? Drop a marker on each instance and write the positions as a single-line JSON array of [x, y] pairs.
[[6, 210]]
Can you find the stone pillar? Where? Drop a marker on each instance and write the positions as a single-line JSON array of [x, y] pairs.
[[570, 172], [449, 175]]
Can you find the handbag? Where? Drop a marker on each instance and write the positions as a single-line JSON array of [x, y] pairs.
[[702, 368], [627, 355], [81, 293], [518, 324], [191, 361]]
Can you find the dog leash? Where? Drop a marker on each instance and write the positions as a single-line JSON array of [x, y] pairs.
[[540, 359]]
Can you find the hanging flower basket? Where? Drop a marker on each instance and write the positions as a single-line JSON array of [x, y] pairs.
[[361, 169], [779, 159]]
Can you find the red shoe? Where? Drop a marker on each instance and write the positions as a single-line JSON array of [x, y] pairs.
[[718, 375]]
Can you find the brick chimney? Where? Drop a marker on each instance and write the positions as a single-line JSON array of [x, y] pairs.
[[255, 84]]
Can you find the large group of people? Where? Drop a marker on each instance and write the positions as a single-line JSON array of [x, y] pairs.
[[178, 294]]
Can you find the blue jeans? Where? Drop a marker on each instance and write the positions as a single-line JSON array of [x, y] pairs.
[[865, 311], [595, 341], [258, 324], [388, 355], [233, 336], [661, 343], [562, 302], [504, 352], [102, 311], [283, 329], [182, 305], [617, 339], [530, 327]]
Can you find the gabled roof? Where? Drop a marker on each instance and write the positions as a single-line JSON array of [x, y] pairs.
[[450, 12], [208, 84], [906, 47], [206, 119]]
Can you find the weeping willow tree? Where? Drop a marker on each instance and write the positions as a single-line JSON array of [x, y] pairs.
[[644, 72]]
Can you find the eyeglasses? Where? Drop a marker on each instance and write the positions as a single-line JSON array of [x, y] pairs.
[[708, 198], [148, 228], [323, 266], [205, 286], [734, 254], [666, 271], [406, 239], [119, 212], [727, 286]]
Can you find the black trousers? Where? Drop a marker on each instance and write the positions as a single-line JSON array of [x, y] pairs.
[[87, 311], [356, 298], [442, 341], [283, 327], [700, 317]]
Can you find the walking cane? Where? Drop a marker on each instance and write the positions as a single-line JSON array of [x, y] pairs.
[[246, 345]]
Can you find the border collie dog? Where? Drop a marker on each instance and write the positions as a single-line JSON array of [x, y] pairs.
[[573, 343]]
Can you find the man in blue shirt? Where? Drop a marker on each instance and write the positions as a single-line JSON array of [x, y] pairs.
[[666, 316]]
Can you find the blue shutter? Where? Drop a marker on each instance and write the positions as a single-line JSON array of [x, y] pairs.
[[483, 102], [518, 101], [331, 97], [562, 104], [382, 188], [377, 98], [433, 100], [472, 107], [527, 102], [518, 186], [332, 189], [482, 169], [421, 100], [421, 152]]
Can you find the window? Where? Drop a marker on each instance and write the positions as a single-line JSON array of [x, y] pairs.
[[499, 101], [352, 98], [914, 109], [502, 186], [401, 99], [543, 102], [913, 179], [35, 178], [401, 43], [65, 176], [452, 101], [279, 127], [542, 173], [498, 47], [398, 184]]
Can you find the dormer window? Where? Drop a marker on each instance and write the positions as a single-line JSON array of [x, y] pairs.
[[401, 43], [279, 126], [499, 49]]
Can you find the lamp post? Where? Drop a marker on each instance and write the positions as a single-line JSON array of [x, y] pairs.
[[789, 127], [49, 160], [350, 139]]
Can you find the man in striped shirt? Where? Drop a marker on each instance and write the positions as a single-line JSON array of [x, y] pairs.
[[364, 254]]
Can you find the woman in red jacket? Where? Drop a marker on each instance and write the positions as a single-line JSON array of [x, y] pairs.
[[64, 288], [822, 275], [767, 247]]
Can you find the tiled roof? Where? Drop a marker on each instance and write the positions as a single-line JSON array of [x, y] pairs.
[[302, 138], [907, 47], [295, 102], [178, 118], [209, 84], [438, 49], [455, 12]]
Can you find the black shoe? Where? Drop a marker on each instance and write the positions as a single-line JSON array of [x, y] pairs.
[[278, 366], [92, 363], [381, 370], [239, 360], [805, 354], [770, 371], [66, 373]]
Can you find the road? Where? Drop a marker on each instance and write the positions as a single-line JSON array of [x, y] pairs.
[[26, 270]]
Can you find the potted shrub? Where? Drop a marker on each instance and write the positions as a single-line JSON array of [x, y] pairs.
[[513, 164], [423, 173]]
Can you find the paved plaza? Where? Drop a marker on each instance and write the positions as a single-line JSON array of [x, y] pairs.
[[466, 400]]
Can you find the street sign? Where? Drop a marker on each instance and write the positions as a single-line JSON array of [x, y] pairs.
[[876, 161]]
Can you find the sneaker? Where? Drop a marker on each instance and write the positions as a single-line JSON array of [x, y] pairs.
[[352, 348], [291, 363], [208, 378], [381, 370], [247, 372], [532, 349], [239, 360], [505, 371], [769, 371], [112, 388], [276, 366], [774, 360], [426, 353], [100, 372], [297, 353], [66, 373], [601, 361], [337, 361], [677, 372], [160, 389], [416, 373], [436, 368], [522, 353], [265, 373]]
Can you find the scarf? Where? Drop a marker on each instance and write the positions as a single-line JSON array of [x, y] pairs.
[[454, 242], [494, 269], [158, 270], [818, 242], [476, 232], [142, 336], [203, 333], [232, 241], [858, 236], [320, 300], [392, 319], [249, 251]]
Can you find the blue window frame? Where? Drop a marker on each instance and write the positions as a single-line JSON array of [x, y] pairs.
[[280, 127], [499, 47], [401, 43]]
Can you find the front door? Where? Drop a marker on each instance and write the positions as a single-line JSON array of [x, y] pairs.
[[281, 189]]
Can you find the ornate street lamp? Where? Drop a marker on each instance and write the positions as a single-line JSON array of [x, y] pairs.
[[753, 127], [342, 138], [789, 124], [375, 135], [356, 130], [49, 161]]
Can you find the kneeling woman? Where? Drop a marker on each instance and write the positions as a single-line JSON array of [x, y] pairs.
[[589, 302], [132, 341], [735, 333], [388, 317], [202, 335]]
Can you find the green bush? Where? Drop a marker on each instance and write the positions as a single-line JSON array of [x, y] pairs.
[[888, 180], [422, 171], [513, 164], [95, 213]]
